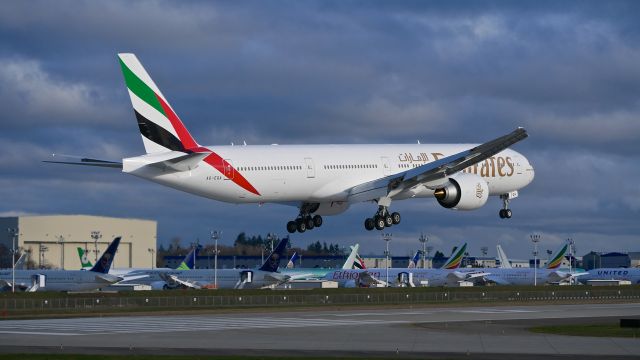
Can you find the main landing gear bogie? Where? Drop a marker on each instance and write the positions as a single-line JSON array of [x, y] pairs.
[[382, 219], [304, 223]]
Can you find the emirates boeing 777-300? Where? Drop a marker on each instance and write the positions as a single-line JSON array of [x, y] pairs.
[[317, 179]]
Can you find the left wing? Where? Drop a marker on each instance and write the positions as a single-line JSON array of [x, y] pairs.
[[435, 173]]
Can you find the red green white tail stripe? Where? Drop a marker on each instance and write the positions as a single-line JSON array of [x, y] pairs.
[[455, 260], [160, 127]]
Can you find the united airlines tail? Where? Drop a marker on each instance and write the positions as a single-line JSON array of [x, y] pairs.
[[414, 261], [292, 262], [160, 127], [273, 261], [104, 263], [455, 260]]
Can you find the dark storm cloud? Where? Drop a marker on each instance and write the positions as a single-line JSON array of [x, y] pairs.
[[332, 72]]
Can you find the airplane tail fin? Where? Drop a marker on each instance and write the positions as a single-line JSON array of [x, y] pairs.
[[272, 263], [359, 263], [292, 262], [84, 259], [455, 260], [556, 261], [502, 256], [414, 261], [189, 260], [104, 263], [160, 127], [352, 258]]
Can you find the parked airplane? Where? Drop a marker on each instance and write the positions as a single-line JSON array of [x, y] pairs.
[[318, 179], [447, 275], [265, 276], [65, 280], [629, 274], [187, 264], [354, 261], [530, 276]]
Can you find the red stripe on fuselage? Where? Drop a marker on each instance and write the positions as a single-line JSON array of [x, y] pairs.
[[220, 164]]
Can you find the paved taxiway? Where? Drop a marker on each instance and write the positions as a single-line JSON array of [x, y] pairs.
[[412, 331]]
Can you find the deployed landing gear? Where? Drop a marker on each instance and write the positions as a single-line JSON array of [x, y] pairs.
[[305, 220], [382, 219], [505, 212]]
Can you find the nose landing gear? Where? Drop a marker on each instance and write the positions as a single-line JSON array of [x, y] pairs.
[[505, 212]]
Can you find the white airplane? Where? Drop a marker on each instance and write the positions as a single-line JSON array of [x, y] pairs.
[[449, 274], [318, 179], [629, 274], [266, 276], [65, 280], [504, 260]]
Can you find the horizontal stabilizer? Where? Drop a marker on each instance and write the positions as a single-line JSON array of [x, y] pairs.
[[83, 161]]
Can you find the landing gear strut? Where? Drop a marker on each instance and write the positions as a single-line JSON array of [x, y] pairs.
[[382, 219], [305, 220], [505, 212]]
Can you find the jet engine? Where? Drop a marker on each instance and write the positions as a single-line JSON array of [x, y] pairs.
[[463, 192]]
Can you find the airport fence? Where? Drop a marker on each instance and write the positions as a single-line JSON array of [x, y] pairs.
[[122, 302]]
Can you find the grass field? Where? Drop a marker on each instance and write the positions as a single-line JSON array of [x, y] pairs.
[[598, 330]]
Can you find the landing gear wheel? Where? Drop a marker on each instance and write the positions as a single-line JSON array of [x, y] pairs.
[[317, 220], [396, 218], [388, 220], [379, 222], [501, 213], [309, 222], [292, 227], [369, 224], [507, 213], [301, 226]]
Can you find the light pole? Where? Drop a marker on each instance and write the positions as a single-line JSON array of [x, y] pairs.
[[152, 252], [570, 241], [535, 238], [96, 235], [215, 235], [13, 232], [429, 250], [387, 237], [424, 239]]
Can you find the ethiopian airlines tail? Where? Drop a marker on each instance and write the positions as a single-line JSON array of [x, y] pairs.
[[556, 261], [455, 260], [160, 127]]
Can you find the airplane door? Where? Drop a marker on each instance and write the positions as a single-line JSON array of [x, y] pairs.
[[311, 171], [386, 169], [229, 172]]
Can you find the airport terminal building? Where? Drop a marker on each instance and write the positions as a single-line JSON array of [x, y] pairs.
[[52, 240]]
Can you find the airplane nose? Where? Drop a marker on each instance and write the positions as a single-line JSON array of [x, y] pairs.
[[530, 173]]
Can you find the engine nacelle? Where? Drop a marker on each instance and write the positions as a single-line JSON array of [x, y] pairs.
[[463, 192]]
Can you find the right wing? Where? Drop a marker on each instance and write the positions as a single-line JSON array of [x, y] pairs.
[[435, 173]]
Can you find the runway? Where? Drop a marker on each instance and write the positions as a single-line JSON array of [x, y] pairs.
[[465, 331]]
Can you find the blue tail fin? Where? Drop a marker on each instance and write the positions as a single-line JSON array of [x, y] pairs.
[[273, 261], [292, 262], [104, 263], [414, 262], [189, 261]]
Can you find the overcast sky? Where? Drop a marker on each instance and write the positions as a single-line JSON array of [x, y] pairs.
[[305, 72]]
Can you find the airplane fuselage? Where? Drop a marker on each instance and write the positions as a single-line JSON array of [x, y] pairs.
[[322, 173]]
